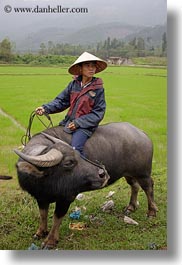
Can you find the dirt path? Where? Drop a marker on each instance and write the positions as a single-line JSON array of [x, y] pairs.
[[16, 123]]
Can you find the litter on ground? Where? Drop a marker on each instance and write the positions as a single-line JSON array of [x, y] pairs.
[[129, 220], [110, 194], [80, 196], [77, 226], [75, 215], [107, 206], [33, 247]]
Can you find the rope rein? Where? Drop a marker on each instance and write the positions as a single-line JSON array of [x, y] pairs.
[[26, 138]]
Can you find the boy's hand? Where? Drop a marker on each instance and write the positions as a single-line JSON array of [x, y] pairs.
[[71, 126], [40, 111]]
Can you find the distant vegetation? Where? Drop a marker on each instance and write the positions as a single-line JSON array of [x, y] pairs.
[[43, 60], [63, 54]]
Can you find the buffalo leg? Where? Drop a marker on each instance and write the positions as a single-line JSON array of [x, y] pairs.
[[134, 193], [42, 230], [53, 236], [147, 184]]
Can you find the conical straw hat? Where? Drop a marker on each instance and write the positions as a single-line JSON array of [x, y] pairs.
[[74, 69]]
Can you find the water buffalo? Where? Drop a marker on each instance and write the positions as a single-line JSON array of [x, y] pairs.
[[52, 171]]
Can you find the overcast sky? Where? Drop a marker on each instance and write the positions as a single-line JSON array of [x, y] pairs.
[[134, 12]]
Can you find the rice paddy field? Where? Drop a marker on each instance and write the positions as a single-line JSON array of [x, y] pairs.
[[133, 94]]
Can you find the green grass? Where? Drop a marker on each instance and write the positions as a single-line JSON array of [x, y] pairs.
[[150, 60], [133, 94]]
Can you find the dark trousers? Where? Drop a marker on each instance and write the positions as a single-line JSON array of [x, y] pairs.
[[79, 139]]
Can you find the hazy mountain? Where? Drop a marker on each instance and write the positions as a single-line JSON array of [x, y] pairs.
[[101, 32], [151, 35], [88, 35], [28, 30]]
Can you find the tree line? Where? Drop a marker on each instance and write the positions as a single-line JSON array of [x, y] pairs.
[[64, 53], [137, 47]]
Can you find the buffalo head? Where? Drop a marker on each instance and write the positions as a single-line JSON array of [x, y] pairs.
[[53, 159]]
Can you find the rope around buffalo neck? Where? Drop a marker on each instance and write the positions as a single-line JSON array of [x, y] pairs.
[[96, 163]]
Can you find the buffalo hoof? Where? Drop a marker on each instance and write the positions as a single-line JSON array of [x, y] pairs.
[[50, 244], [127, 211], [151, 213], [130, 209], [40, 235]]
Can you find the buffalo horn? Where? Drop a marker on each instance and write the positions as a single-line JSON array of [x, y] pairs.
[[50, 159], [54, 139]]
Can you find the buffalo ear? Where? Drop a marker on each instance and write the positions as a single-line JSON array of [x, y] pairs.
[[69, 162]]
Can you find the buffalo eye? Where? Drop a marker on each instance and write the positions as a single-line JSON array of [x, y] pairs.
[[69, 162]]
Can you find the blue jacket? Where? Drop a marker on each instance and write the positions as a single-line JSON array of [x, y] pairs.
[[86, 105]]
